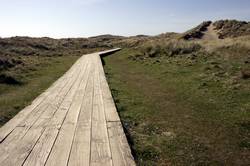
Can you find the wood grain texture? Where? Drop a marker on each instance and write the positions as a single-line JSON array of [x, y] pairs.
[[41, 151], [11, 124], [62, 147], [48, 107], [100, 149], [35, 128], [74, 122], [80, 151]]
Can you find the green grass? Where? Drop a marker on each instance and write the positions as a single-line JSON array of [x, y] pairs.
[[36, 76], [176, 112]]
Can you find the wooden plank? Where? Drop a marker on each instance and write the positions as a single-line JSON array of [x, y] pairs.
[[17, 156], [19, 132], [109, 105], [26, 144], [53, 100], [41, 151], [11, 124], [10, 142], [21, 146], [120, 150], [108, 51], [61, 149], [121, 154], [80, 151], [100, 149], [76, 123]]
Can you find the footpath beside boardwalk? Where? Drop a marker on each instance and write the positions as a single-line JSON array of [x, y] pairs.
[[74, 122]]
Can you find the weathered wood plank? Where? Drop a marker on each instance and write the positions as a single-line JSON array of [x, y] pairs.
[[120, 150], [109, 105], [100, 148], [34, 131], [74, 122], [11, 124], [17, 156], [17, 134], [80, 151], [10, 142], [121, 153], [41, 151], [61, 149]]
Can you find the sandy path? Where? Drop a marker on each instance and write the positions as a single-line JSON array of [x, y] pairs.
[[210, 34]]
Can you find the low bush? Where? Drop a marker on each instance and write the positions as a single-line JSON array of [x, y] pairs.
[[170, 48], [232, 28]]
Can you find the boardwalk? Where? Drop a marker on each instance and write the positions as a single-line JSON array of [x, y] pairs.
[[74, 122]]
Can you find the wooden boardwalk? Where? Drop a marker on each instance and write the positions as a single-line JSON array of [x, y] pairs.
[[74, 122]]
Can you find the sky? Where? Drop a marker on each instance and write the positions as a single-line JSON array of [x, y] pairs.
[[84, 18]]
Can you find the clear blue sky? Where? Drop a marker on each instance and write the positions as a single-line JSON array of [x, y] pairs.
[[83, 18]]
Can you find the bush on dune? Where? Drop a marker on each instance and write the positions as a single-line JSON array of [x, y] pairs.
[[232, 28], [170, 48]]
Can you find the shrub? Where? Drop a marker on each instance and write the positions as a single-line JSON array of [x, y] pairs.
[[170, 48], [197, 32], [232, 28]]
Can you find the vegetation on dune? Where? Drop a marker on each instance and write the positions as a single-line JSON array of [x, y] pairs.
[[197, 32], [181, 101], [224, 29], [232, 28], [182, 109], [169, 48], [184, 102], [19, 54], [131, 42], [29, 81], [27, 46], [28, 66]]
